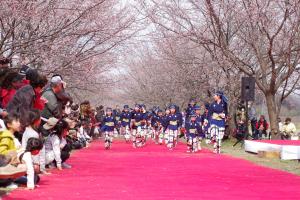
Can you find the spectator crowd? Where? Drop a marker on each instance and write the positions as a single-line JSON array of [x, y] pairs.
[[259, 128], [40, 125]]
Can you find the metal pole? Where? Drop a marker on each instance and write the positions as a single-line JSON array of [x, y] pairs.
[[247, 121]]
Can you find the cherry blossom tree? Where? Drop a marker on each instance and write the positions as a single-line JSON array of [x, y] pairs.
[[74, 38], [258, 38]]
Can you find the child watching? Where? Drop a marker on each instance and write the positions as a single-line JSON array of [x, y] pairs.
[[55, 146], [33, 147], [7, 138]]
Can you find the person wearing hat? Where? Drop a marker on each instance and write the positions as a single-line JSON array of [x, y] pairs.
[[117, 115], [190, 108], [53, 107], [166, 118], [27, 74], [63, 96], [157, 125], [194, 130], [180, 115], [136, 123], [155, 109], [24, 99], [125, 119], [147, 116], [50, 124], [154, 117], [218, 114], [109, 125], [46, 131], [205, 122], [146, 122], [117, 112], [24, 70], [201, 135], [197, 112], [174, 122]]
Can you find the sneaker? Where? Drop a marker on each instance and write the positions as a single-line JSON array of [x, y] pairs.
[[12, 186], [66, 166]]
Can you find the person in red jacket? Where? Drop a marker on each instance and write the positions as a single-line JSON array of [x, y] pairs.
[[261, 127], [29, 75], [10, 85]]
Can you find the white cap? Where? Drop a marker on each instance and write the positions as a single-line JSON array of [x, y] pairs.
[[58, 80]]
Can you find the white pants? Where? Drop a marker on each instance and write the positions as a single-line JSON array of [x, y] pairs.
[[216, 132], [49, 158]]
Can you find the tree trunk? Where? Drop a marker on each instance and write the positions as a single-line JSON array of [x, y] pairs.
[[231, 124], [273, 115]]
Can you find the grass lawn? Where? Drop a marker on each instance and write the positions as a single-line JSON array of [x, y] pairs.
[[292, 166]]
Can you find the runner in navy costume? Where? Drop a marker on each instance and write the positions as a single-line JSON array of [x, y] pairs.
[[201, 134], [157, 124], [205, 123], [125, 119], [136, 126], [174, 122], [193, 129], [217, 117], [109, 125]]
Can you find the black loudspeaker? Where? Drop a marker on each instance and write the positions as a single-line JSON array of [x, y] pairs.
[[248, 88]]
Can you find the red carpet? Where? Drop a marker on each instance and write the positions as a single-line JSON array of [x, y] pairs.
[[154, 172], [281, 142]]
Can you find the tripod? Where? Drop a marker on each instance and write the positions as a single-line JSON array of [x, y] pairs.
[[241, 134]]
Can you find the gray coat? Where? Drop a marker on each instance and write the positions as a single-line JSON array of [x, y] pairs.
[[53, 106]]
